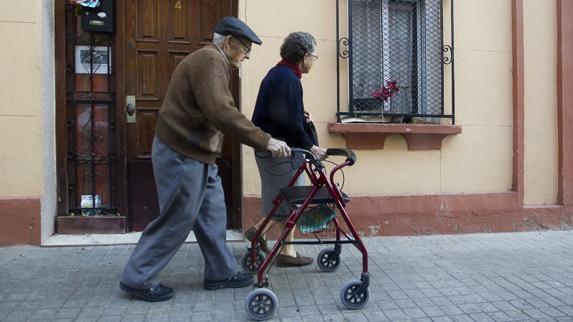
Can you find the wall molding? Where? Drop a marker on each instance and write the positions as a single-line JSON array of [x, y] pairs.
[[440, 214], [21, 222], [565, 101]]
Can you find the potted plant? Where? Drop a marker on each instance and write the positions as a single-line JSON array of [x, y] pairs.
[[78, 5], [385, 93]]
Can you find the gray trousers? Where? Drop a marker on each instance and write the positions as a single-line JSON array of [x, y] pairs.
[[190, 198], [275, 174]]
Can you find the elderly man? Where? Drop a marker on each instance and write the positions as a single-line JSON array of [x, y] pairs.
[[197, 110]]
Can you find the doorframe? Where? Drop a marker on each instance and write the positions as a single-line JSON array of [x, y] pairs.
[[120, 58], [48, 203], [237, 164], [59, 11], [120, 90], [60, 95]]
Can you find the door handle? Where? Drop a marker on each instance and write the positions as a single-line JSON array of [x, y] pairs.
[[130, 109]]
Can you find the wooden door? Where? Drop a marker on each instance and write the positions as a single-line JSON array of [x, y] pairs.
[[158, 35]]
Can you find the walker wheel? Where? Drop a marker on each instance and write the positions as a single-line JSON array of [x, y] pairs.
[[327, 260], [352, 295], [247, 263], [261, 304]]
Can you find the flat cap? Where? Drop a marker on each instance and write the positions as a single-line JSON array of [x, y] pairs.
[[235, 27]]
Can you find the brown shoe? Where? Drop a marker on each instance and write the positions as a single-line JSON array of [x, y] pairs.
[[289, 261], [263, 246]]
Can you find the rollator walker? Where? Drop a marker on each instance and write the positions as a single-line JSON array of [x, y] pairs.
[[312, 209]]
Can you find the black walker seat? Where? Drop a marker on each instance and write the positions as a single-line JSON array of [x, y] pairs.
[[296, 195], [319, 201]]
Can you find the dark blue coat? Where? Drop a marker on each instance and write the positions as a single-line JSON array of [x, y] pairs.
[[279, 110]]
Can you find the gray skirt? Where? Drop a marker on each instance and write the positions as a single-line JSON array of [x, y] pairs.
[[275, 174]]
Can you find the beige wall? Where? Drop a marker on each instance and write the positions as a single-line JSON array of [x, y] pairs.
[[540, 102], [21, 167], [479, 160]]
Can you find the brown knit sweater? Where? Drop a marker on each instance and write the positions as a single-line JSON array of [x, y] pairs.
[[198, 106]]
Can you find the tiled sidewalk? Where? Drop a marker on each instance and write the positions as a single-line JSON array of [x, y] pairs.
[[482, 277]]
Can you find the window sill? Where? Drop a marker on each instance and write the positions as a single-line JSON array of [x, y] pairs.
[[370, 136]]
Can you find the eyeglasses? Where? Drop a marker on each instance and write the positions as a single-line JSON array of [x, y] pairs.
[[313, 57], [246, 49]]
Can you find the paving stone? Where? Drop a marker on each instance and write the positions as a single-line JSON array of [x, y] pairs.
[[387, 305], [413, 313], [517, 315], [43, 314], [440, 300], [442, 319], [535, 314], [470, 308], [553, 301], [91, 312], [110, 319], [135, 317], [433, 311], [355, 316], [487, 307], [312, 318], [461, 318], [521, 305], [377, 316], [564, 319], [482, 277], [423, 302], [499, 316], [481, 317], [67, 313], [552, 312], [395, 315], [405, 303], [566, 309], [19, 315]]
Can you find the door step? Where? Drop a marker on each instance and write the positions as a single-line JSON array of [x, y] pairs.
[[117, 239]]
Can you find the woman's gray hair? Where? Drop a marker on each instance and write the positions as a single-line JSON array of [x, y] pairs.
[[296, 45], [218, 39]]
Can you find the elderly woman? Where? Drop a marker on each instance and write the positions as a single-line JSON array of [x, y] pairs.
[[280, 112]]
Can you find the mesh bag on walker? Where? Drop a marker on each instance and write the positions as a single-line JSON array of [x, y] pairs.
[[316, 219]]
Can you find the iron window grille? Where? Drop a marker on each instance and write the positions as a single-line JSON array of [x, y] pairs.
[[406, 41], [90, 121]]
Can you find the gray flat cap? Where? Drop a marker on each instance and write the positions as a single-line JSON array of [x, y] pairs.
[[235, 27]]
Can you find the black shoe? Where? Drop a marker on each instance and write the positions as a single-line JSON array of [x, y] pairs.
[[237, 281], [157, 293]]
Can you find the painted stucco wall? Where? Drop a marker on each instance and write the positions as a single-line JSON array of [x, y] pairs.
[[541, 146], [477, 161], [21, 157]]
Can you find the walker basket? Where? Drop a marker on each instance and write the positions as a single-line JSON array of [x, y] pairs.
[[316, 219]]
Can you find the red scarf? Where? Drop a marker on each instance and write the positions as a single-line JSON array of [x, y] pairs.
[[295, 68]]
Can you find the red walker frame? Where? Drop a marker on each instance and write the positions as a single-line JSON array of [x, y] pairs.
[[323, 189]]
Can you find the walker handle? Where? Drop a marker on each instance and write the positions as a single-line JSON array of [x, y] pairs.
[[307, 154], [349, 154]]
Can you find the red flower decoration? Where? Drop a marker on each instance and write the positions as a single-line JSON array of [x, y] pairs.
[[386, 92]]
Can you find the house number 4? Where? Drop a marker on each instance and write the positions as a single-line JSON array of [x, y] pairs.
[[178, 5]]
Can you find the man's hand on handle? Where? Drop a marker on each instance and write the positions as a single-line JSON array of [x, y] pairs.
[[278, 148]]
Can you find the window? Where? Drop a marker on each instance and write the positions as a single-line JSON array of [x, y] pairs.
[[401, 41]]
